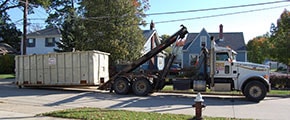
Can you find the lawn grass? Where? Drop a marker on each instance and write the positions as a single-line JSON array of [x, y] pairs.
[[106, 114], [279, 92], [169, 88], [7, 76]]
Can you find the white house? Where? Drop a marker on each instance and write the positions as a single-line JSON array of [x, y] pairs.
[[152, 40], [42, 41]]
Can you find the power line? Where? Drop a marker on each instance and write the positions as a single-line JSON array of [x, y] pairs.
[[93, 19], [218, 15], [219, 8]]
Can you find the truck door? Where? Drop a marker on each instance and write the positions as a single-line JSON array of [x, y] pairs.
[[223, 65]]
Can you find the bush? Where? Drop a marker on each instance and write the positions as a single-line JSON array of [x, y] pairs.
[[280, 81], [7, 64]]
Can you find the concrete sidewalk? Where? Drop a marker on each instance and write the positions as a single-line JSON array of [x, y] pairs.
[[26, 103]]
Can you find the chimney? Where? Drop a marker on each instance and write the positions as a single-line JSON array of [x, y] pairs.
[[152, 25], [221, 36]]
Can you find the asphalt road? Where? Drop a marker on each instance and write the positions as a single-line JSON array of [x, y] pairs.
[[25, 103]]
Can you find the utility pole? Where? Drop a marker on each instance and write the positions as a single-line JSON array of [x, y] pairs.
[[24, 28]]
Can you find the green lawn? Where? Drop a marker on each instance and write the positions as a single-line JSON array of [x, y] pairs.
[[106, 114], [7, 76], [272, 92], [279, 92]]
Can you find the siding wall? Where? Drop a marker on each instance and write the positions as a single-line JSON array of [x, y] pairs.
[[241, 56], [194, 49], [40, 47]]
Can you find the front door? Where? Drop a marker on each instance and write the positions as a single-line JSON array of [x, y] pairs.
[[223, 65]]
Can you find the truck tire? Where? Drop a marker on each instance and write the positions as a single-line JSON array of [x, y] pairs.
[[255, 91], [121, 86], [141, 87]]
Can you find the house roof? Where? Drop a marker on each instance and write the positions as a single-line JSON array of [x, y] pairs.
[[45, 32], [234, 40], [148, 33], [5, 48]]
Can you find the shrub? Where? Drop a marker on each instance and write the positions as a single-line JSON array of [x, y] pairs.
[[280, 81], [7, 64]]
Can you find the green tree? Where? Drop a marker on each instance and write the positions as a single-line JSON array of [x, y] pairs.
[[163, 38], [61, 10], [73, 36], [112, 27], [5, 5], [280, 38], [8, 32], [72, 28], [258, 49]]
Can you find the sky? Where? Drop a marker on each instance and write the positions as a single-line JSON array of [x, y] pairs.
[[252, 24]]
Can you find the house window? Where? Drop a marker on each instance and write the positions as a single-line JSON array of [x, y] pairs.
[[193, 59], [30, 42], [49, 42], [203, 40]]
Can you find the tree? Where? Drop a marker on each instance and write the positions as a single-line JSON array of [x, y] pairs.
[[8, 32], [280, 38], [164, 37], [258, 49], [112, 27], [60, 10], [72, 28], [5, 5], [73, 36]]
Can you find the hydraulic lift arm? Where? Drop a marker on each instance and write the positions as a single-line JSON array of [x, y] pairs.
[[178, 35]]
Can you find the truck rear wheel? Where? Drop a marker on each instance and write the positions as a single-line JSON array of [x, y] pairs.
[[141, 87], [121, 86], [255, 91]]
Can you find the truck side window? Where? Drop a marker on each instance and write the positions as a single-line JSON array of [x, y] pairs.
[[222, 56]]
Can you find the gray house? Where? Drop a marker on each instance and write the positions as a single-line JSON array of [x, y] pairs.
[[195, 41]]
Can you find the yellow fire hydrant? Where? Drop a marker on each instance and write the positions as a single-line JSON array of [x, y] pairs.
[[198, 107]]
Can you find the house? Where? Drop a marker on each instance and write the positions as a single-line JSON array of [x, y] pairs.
[[195, 41], [152, 40], [42, 41]]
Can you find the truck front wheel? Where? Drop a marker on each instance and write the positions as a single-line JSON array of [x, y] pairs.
[[141, 87], [255, 91], [121, 86]]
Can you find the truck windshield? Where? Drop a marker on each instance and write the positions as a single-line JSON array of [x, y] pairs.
[[222, 56]]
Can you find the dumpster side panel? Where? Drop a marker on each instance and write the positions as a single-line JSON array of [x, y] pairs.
[[68, 68], [33, 69], [76, 68], [62, 69], [84, 68], [95, 69], [40, 68], [103, 68]]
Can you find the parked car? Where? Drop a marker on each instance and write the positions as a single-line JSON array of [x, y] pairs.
[[174, 69]]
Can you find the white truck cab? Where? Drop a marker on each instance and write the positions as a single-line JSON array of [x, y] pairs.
[[227, 74]]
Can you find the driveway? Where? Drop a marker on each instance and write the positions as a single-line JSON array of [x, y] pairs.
[[25, 103]]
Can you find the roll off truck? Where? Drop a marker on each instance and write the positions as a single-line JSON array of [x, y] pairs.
[[221, 71]]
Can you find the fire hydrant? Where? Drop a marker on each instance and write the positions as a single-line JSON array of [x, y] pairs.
[[198, 107]]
